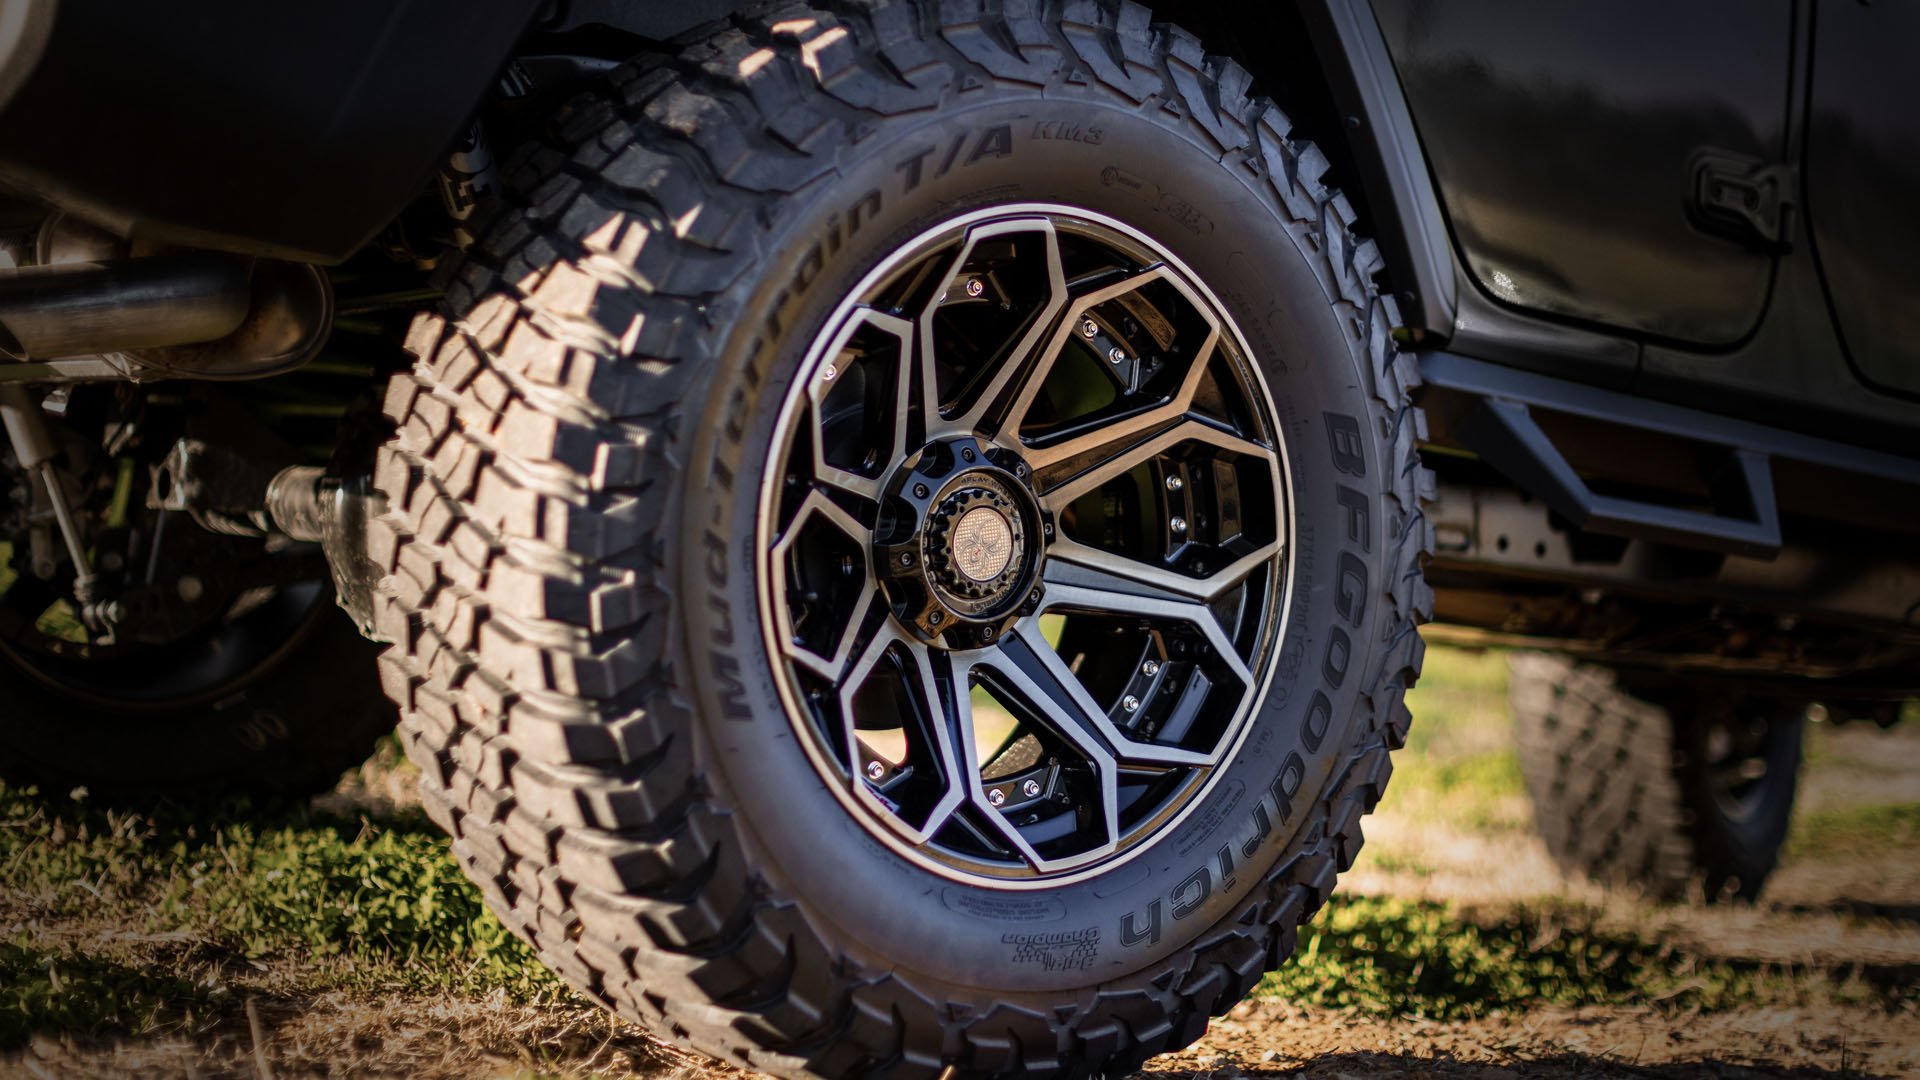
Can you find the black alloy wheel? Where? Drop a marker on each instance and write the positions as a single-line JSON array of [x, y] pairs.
[[1024, 617]]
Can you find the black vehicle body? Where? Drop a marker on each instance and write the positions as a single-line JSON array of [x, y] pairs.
[[1581, 214], [1627, 370]]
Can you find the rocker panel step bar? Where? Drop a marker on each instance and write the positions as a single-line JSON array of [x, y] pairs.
[[1502, 430]]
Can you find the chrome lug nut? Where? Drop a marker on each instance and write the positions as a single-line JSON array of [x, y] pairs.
[[996, 796], [1150, 668], [1116, 355], [1174, 483], [1130, 703], [1089, 328], [875, 770], [1178, 525], [975, 287], [1030, 789]]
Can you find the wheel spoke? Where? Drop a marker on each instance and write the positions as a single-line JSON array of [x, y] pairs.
[[1036, 375], [1071, 714], [1127, 450], [830, 665], [1122, 596], [1014, 355], [833, 371], [935, 724]]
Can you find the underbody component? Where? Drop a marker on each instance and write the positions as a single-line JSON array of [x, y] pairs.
[[33, 448], [77, 309], [193, 316], [240, 494]]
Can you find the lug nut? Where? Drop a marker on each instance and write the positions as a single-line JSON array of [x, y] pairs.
[[975, 287], [986, 633], [919, 491], [875, 770], [996, 796], [1030, 789], [906, 558], [1116, 355], [1089, 328], [936, 617], [966, 453], [1130, 703], [1150, 668], [829, 372], [1178, 525], [1174, 483]]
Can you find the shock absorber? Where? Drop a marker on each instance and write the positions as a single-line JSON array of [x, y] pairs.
[[33, 447]]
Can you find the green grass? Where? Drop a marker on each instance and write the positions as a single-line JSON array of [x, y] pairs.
[[200, 902], [50, 991], [1386, 956], [1855, 830], [118, 923]]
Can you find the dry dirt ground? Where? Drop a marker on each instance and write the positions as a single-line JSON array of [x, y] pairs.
[[1832, 954]]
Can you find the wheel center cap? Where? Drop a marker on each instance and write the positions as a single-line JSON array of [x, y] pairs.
[[982, 543]]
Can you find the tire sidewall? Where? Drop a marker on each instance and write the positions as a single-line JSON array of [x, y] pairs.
[[1158, 175]]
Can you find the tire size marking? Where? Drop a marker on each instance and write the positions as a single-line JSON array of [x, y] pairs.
[[1348, 450]]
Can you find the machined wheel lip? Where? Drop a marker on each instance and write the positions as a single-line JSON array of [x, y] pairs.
[[968, 230]]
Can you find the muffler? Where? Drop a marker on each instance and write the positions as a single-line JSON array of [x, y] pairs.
[[181, 316], [95, 308]]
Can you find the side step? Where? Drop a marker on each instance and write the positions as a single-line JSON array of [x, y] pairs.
[[1498, 425]]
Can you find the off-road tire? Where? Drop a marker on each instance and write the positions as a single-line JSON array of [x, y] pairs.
[[1620, 785], [566, 602], [288, 727]]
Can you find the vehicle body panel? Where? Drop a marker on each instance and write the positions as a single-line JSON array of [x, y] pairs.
[[285, 129], [1863, 176], [1565, 139]]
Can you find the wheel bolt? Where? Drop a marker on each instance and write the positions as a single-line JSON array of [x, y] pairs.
[[996, 796], [1130, 703], [1150, 668], [1019, 468], [936, 617], [1178, 525], [966, 454], [875, 770], [986, 633], [1030, 789], [829, 372], [1089, 328], [1174, 483], [975, 287], [1116, 355], [906, 558], [919, 491]]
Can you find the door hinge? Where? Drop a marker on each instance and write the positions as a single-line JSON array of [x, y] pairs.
[[1744, 200]]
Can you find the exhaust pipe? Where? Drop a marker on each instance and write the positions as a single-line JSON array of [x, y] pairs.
[[87, 309]]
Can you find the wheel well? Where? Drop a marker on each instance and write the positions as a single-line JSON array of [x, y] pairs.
[[1273, 43]]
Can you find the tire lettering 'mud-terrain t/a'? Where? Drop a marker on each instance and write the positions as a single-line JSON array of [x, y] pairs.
[[1349, 458]]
